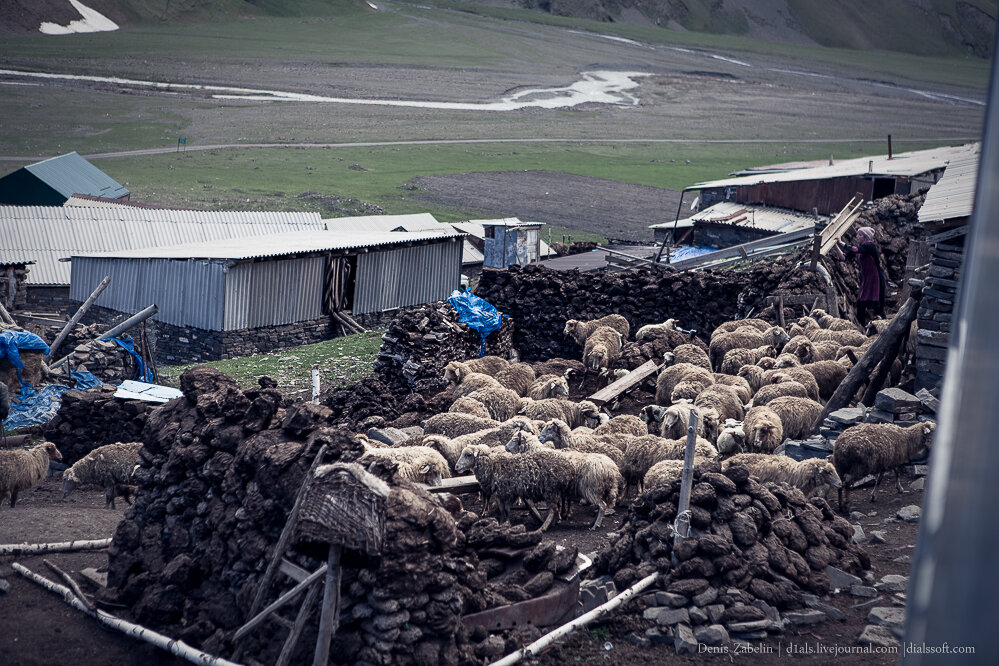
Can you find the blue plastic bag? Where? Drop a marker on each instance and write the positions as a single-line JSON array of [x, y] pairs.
[[145, 374], [476, 313], [12, 341]]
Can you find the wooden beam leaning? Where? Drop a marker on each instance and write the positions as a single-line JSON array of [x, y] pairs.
[[896, 329], [79, 315]]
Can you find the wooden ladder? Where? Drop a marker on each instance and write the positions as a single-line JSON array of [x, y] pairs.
[[307, 583]]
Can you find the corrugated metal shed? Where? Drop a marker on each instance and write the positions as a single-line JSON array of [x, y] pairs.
[[902, 164], [50, 233], [477, 228], [272, 293], [764, 218], [954, 195], [278, 245], [406, 276], [382, 223], [70, 173]]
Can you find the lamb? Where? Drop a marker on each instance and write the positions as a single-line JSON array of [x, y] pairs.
[[467, 405], [670, 376], [455, 424], [109, 467], [624, 424], [763, 428], [808, 476], [558, 433], [644, 452], [723, 399], [828, 376], [501, 403], [517, 377], [797, 415], [779, 389], [875, 448], [736, 358], [597, 478], [677, 419], [649, 330], [729, 326], [741, 386], [563, 367], [573, 413], [731, 440], [420, 464], [548, 386], [602, 349], [853, 337], [581, 330], [688, 353], [451, 448], [667, 471], [826, 320], [745, 338], [22, 469]]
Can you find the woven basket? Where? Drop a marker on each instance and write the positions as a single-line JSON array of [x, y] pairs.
[[345, 506]]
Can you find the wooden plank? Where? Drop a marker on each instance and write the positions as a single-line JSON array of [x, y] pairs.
[[625, 384], [293, 571], [330, 617], [839, 224], [947, 235], [457, 484], [744, 250]]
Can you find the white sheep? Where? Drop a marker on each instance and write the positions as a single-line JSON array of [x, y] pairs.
[[729, 326], [875, 448], [650, 330], [736, 358], [467, 405], [560, 436], [596, 477], [109, 466], [688, 353], [23, 469], [420, 464], [487, 365], [826, 320], [676, 420], [745, 338], [602, 349], [731, 440], [741, 386], [517, 377], [548, 386], [574, 413], [625, 424], [451, 448], [455, 424], [667, 471], [672, 375], [809, 475], [501, 403], [723, 399]]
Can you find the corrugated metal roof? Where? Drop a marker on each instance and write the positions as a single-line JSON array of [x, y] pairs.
[[79, 200], [70, 174], [471, 254], [765, 218], [381, 223], [49, 233], [506, 222], [902, 164], [954, 195], [278, 245]]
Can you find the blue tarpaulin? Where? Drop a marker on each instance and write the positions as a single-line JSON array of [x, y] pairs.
[[35, 407], [689, 251], [476, 313], [145, 374], [12, 341]]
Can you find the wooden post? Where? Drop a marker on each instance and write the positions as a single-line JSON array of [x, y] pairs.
[[848, 387], [816, 246], [71, 324], [298, 627], [315, 383], [331, 608], [780, 311], [137, 318], [686, 480], [881, 374]]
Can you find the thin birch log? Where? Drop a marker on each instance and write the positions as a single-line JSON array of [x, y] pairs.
[[581, 621], [71, 324], [174, 646], [61, 547], [72, 585]]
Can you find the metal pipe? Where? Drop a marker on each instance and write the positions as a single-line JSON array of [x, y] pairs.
[[71, 324], [954, 584], [137, 318], [679, 207]]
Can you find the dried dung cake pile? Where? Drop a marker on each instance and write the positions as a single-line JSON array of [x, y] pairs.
[[750, 542], [92, 418]]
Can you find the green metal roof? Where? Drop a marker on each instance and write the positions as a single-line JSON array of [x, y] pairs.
[[71, 174]]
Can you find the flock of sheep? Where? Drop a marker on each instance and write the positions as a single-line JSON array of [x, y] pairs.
[[752, 387]]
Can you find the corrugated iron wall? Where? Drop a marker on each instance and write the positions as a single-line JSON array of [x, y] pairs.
[[274, 292], [829, 196], [188, 293], [406, 276]]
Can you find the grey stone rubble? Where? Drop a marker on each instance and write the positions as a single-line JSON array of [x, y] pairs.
[[935, 314], [839, 579], [892, 583], [909, 514], [887, 616], [876, 635]]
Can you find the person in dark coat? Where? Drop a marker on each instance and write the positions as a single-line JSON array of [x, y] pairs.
[[873, 285]]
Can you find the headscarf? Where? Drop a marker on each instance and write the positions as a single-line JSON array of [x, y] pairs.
[[865, 235]]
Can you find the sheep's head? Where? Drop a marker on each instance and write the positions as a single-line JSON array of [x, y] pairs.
[[671, 417], [468, 457], [598, 357], [786, 361], [559, 386], [710, 419], [590, 414], [430, 474], [652, 414], [767, 362], [753, 374], [731, 441], [669, 358], [552, 432], [570, 327], [454, 372], [928, 429], [821, 473], [69, 482], [52, 451], [776, 337], [686, 390], [520, 442]]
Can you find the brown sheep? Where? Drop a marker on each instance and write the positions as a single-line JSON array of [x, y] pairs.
[[690, 388], [842, 337], [745, 338], [548, 386], [808, 475], [462, 380], [767, 363], [729, 326], [778, 389], [487, 365], [826, 320], [22, 469], [797, 374], [581, 330], [672, 375], [828, 376], [792, 345], [644, 452], [667, 471], [875, 448], [736, 358], [786, 360], [516, 377], [625, 424], [467, 405], [763, 428], [753, 375], [688, 353], [797, 415], [741, 386], [723, 399], [810, 352], [602, 349]]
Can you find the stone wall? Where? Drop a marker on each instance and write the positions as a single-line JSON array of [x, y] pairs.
[[49, 299], [935, 314], [13, 291]]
